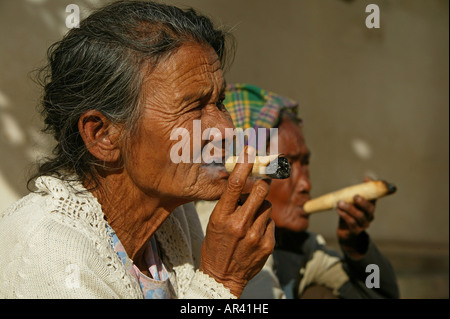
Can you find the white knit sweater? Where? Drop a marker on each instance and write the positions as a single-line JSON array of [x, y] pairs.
[[54, 244]]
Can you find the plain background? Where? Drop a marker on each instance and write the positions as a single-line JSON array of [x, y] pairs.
[[375, 102]]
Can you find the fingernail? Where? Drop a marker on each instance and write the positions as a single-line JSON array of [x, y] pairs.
[[342, 204], [251, 152]]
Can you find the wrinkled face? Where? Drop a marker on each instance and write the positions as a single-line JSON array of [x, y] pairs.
[[288, 195], [186, 86]]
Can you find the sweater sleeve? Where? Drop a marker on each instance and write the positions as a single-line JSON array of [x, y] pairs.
[[205, 287], [370, 277], [347, 277]]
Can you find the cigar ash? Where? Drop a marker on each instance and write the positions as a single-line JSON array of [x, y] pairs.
[[279, 168]]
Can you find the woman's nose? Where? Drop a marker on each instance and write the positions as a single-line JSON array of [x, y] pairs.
[[224, 123], [304, 185], [300, 174], [218, 128]]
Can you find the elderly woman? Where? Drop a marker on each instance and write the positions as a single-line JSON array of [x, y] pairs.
[[110, 217], [302, 266]]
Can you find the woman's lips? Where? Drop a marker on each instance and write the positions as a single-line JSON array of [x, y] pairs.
[[301, 212], [300, 199], [299, 205]]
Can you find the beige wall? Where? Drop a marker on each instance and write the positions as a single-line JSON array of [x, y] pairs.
[[375, 101]]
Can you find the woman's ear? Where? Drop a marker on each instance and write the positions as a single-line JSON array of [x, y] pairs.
[[100, 136]]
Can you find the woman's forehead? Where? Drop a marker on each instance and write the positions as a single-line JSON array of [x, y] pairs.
[[193, 70], [291, 139]]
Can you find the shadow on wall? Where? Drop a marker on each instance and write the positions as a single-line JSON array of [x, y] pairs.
[[29, 27]]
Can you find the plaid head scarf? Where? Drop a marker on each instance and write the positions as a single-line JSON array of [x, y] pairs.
[[253, 107]]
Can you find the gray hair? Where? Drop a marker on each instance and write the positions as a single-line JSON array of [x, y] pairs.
[[101, 66]]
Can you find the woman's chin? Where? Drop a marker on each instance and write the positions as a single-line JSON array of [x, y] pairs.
[[295, 219]]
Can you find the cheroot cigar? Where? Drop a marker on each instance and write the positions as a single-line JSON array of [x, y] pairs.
[[369, 190], [271, 166]]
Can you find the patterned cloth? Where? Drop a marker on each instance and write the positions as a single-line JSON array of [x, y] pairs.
[[253, 107], [159, 286]]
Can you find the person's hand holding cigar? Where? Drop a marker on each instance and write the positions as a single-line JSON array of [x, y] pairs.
[[355, 212], [240, 234]]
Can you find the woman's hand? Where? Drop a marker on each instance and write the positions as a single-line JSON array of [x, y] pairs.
[[240, 234], [354, 219]]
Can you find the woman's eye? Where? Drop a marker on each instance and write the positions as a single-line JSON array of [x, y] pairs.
[[305, 160], [198, 108]]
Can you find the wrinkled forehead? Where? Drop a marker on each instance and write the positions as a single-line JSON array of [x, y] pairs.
[[193, 70], [291, 140]]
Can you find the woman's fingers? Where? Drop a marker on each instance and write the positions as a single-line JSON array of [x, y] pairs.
[[240, 234], [236, 182], [354, 218], [367, 207], [255, 200], [264, 227]]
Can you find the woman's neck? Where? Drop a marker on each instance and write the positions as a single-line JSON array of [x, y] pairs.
[[132, 214]]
